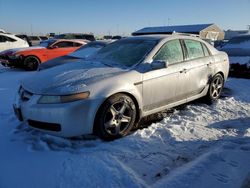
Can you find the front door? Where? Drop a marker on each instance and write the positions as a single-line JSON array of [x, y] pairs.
[[60, 49], [160, 86]]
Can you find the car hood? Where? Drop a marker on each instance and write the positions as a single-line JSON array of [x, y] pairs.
[[28, 49], [69, 78], [16, 50]]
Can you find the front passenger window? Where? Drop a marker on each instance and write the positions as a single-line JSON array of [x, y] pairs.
[[170, 52]]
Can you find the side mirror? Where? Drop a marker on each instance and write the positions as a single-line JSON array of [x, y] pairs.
[[159, 64]]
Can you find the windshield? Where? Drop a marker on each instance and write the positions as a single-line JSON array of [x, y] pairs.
[[127, 52], [47, 43], [87, 50]]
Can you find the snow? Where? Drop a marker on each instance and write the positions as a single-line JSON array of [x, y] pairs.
[[68, 78], [195, 145]]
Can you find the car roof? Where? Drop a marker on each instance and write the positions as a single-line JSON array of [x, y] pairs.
[[153, 37], [81, 41], [162, 36], [166, 36]]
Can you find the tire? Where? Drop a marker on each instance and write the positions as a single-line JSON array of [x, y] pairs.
[[115, 118], [215, 88], [31, 63]]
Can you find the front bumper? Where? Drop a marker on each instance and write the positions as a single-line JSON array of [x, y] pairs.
[[10, 62], [64, 119]]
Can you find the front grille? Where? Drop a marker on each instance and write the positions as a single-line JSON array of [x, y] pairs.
[[44, 125]]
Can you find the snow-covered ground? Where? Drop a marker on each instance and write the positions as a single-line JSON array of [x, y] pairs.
[[195, 145]]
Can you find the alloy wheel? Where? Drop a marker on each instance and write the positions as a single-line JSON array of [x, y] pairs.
[[117, 118], [216, 87]]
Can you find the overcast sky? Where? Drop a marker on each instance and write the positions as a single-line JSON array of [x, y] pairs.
[[118, 16]]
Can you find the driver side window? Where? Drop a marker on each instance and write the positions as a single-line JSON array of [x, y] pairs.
[[171, 52], [64, 44]]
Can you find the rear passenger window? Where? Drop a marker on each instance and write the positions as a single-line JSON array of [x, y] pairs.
[[77, 44], [194, 49], [206, 52], [171, 52]]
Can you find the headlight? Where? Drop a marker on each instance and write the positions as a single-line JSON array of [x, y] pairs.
[[15, 56], [48, 99]]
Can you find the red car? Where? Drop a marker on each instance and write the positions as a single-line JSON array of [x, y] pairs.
[[31, 57]]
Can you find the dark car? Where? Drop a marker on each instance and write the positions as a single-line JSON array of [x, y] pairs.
[[117, 37], [89, 37], [238, 50], [81, 53], [43, 37], [237, 46], [107, 37], [26, 38]]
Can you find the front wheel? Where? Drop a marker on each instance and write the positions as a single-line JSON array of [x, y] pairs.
[[215, 88], [115, 118], [31, 63]]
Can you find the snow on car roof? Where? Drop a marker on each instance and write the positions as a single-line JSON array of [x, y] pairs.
[[82, 41], [153, 37]]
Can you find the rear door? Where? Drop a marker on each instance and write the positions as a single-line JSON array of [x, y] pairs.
[[200, 66]]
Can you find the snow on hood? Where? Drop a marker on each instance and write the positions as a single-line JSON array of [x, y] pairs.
[[68, 78]]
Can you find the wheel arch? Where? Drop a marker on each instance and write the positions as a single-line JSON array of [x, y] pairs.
[[24, 57], [222, 74], [138, 110], [212, 76]]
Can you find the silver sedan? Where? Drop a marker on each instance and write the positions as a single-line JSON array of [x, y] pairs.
[[129, 79]]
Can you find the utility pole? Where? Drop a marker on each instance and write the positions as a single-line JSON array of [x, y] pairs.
[[168, 21], [31, 29], [117, 29]]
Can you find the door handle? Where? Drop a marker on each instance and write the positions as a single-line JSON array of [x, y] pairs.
[[209, 64], [184, 71]]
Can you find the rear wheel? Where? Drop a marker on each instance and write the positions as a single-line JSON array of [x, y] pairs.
[[215, 88], [31, 63], [115, 118]]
